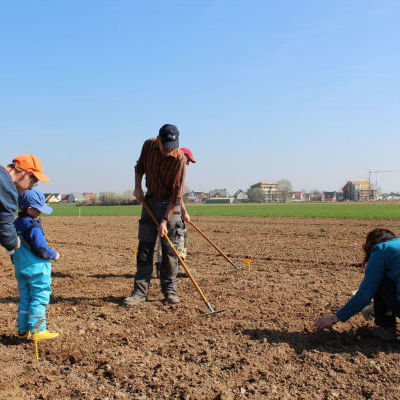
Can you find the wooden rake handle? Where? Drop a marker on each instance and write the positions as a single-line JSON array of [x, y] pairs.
[[176, 253], [214, 245]]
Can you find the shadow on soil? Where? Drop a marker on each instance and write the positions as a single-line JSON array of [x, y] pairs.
[[9, 299], [73, 300], [326, 341], [76, 300], [131, 276], [104, 276], [60, 275], [7, 340], [99, 276]]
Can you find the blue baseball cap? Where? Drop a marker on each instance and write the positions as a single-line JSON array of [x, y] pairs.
[[34, 198], [169, 136]]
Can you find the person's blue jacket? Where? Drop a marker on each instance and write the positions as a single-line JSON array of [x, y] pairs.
[[383, 260], [8, 207], [31, 231]]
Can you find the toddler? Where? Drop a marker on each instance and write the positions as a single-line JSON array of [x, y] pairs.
[[32, 266]]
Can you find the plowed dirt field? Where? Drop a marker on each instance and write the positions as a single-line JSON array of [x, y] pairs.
[[262, 347]]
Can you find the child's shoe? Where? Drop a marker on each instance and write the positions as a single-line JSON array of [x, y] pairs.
[[43, 335], [24, 335]]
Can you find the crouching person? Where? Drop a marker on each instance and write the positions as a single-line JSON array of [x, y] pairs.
[[381, 284], [32, 266]]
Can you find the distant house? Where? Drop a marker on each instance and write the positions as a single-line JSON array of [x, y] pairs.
[[219, 193], [357, 191], [53, 197], [315, 196], [193, 196], [329, 196], [76, 197], [391, 196], [197, 196], [240, 196], [90, 196], [297, 196], [264, 192]]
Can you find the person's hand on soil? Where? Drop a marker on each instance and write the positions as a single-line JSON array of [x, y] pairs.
[[162, 229], [138, 193], [324, 322], [57, 256]]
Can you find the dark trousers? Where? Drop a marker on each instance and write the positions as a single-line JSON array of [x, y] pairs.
[[386, 304], [147, 239]]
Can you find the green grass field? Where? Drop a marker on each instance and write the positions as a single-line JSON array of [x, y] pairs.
[[301, 210]]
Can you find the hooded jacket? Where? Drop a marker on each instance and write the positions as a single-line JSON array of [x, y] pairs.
[[31, 232]]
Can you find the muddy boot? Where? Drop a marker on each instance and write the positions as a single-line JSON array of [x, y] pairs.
[[134, 300], [172, 298], [182, 273]]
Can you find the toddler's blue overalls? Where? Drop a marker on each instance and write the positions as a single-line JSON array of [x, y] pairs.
[[34, 279]]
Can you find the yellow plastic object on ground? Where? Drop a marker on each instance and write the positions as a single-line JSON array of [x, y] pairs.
[[45, 334], [24, 335]]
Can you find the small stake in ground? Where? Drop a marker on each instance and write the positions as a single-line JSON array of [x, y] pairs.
[[248, 262], [37, 325]]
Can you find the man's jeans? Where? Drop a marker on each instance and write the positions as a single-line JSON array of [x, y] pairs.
[[147, 239]]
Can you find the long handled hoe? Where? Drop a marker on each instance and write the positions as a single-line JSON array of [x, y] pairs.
[[214, 245], [207, 303]]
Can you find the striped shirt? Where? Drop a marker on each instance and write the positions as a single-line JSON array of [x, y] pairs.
[[165, 175]]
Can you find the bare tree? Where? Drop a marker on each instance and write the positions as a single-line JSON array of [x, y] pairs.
[[284, 187], [107, 198]]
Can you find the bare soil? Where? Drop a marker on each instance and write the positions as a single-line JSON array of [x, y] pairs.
[[263, 346]]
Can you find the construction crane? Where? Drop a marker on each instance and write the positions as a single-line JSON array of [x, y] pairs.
[[376, 172]]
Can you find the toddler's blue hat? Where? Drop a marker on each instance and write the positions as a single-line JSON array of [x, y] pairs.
[[34, 198]]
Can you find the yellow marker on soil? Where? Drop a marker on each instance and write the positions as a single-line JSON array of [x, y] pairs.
[[35, 343], [248, 262], [38, 324], [134, 249]]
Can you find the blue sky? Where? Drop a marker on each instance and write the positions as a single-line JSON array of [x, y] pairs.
[[260, 90]]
